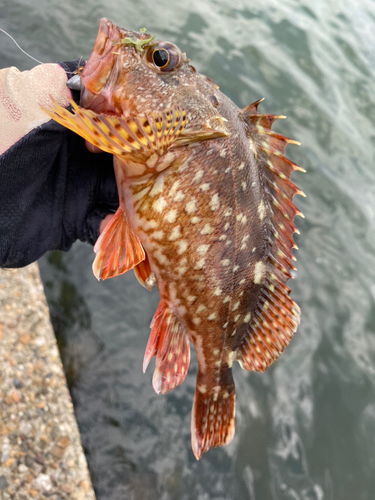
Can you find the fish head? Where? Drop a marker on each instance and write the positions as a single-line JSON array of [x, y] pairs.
[[130, 74]]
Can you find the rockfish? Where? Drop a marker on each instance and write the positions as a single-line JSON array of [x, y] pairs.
[[206, 215]]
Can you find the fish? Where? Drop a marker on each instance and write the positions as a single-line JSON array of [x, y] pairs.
[[206, 214]]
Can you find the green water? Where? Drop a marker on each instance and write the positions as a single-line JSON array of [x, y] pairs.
[[305, 428]]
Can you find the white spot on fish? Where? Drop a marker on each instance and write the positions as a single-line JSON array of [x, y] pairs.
[[225, 262], [228, 212], [244, 185], [261, 210], [205, 186], [241, 166], [201, 308], [217, 291], [202, 388], [171, 216], [202, 249], [191, 206], [182, 270], [225, 324], [237, 317], [236, 306], [157, 235], [222, 153], [236, 268], [247, 318], [158, 186], [259, 270], [179, 196], [149, 224], [182, 246], [227, 226], [217, 363], [175, 234], [226, 299], [241, 217], [159, 204], [242, 282], [195, 220], [198, 176], [227, 170], [215, 203], [174, 188], [223, 237], [141, 194], [207, 229], [160, 257], [199, 264], [215, 352], [196, 321], [231, 358], [191, 298], [211, 317]]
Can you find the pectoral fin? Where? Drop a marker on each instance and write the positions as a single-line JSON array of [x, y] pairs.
[[135, 138], [131, 138], [118, 248]]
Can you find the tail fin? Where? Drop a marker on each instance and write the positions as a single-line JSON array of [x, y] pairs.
[[212, 421]]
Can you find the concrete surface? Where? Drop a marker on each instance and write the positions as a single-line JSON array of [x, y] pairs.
[[40, 449]]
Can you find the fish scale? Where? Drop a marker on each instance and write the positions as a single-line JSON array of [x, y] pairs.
[[206, 214]]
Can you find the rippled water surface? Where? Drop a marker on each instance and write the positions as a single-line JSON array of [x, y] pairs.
[[306, 427]]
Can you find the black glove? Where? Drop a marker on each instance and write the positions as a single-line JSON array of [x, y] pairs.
[[53, 191]]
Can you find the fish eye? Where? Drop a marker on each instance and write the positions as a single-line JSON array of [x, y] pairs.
[[164, 57], [160, 58]]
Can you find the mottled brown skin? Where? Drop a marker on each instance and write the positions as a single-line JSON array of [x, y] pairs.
[[205, 222]]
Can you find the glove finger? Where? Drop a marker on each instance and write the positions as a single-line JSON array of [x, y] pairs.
[[93, 224]]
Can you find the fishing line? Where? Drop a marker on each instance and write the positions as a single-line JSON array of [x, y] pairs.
[[21, 49]]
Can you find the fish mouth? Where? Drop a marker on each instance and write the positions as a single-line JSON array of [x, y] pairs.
[[100, 72]]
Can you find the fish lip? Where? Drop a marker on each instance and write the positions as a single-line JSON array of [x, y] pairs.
[[99, 69], [100, 63]]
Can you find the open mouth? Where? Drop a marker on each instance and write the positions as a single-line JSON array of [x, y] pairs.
[[99, 75]]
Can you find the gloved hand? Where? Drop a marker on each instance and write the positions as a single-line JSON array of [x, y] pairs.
[[53, 191]]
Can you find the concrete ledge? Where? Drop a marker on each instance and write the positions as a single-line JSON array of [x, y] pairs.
[[40, 449]]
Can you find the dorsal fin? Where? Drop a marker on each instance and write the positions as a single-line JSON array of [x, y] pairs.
[[276, 317]]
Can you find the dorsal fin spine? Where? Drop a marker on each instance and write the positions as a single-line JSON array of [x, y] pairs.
[[276, 316]]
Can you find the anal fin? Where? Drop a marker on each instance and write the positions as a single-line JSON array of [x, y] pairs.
[[170, 343], [118, 248], [212, 419], [142, 272]]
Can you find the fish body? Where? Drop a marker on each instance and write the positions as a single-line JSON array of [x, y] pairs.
[[206, 214]]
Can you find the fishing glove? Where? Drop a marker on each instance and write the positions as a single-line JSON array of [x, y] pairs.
[[53, 191]]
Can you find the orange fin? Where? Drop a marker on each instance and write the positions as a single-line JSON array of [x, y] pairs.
[[212, 420], [271, 327], [276, 317], [118, 248], [170, 343], [131, 138], [142, 272]]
